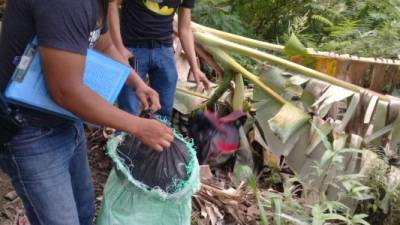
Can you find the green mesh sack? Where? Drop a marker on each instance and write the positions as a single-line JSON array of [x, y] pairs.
[[132, 198]]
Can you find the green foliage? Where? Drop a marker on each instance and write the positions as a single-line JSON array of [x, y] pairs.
[[361, 27], [286, 207], [322, 20], [384, 207], [218, 14], [270, 19]]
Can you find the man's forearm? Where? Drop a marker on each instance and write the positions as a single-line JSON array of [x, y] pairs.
[[64, 81], [114, 24], [89, 106], [187, 41], [186, 36]]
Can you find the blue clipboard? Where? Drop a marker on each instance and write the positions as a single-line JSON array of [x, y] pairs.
[[27, 87]]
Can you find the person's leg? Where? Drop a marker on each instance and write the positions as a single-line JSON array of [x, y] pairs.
[[163, 77], [82, 183], [127, 99], [38, 162]]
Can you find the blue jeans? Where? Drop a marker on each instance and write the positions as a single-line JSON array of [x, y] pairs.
[[159, 64], [50, 172]]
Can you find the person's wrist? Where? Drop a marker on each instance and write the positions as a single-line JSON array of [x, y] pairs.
[[140, 85], [135, 125], [121, 48], [135, 81], [196, 70]]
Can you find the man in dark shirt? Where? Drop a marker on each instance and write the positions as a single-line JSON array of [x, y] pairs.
[[147, 27], [47, 159]]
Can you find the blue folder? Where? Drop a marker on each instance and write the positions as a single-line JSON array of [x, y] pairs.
[[27, 87]]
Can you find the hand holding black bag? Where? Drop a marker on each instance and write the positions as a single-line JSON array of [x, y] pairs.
[[155, 169]]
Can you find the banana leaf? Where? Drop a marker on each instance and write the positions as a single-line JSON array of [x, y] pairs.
[[295, 49], [186, 103], [264, 111], [288, 120], [332, 95], [379, 122], [395, 136]]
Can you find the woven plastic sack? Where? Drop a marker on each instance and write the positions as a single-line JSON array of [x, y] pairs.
[[130, 198]]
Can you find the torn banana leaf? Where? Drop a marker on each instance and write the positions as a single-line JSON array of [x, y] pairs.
[[395, 136], [297, 157], [307, 99], [244, 155], [295, 49], [270, 159], [315, 138], [277, 79], [340, 140], [370, 109], [351, 111], [379, 122], [265, 111], [288, 120], [272, 76], [186, 103], [299, 80], [332, 95], [277, 146]]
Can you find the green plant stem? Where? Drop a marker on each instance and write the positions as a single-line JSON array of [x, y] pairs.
[[221, 89], [239, 39], [193, 93], [238, 96], [209, 40], [228, 60], [324, 176]]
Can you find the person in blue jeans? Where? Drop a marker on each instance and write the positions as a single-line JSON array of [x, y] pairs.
[[47, 159], [144, 30]]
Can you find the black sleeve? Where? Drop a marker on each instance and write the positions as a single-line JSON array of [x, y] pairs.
[[105, 28], [188, 4], [63, 24]]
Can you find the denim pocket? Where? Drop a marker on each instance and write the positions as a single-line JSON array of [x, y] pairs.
[[31, 134]]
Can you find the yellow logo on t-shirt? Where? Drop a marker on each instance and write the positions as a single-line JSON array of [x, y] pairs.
[[155, 7]]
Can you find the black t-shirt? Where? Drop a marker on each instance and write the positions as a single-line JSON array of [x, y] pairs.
[[70, 25], [149, 19]]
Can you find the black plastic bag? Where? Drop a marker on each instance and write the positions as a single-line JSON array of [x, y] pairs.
[[215, 135], [156, 169]]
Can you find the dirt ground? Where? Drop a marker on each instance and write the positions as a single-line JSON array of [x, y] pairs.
[[5, 188]]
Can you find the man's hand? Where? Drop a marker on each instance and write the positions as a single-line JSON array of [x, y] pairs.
[[154, 134], [201, 79], [186, 36], [125, 53], [148, 97]]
